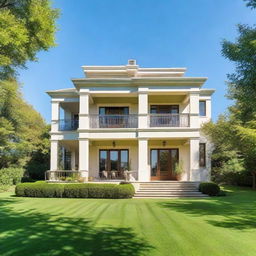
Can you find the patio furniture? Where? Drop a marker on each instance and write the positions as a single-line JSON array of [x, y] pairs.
[[128, 175], [104, 174]]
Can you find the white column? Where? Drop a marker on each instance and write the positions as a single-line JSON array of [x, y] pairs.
[[84, 109], [54, 155], [55, 116], [84, 157], [143, 166], [143, 107], [194, 160], [194, 109]]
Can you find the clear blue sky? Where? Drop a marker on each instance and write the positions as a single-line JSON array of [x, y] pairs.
[[158, 33]]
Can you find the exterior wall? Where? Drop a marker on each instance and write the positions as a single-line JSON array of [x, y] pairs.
[[137, 140]]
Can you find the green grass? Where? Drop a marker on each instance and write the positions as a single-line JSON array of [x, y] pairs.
[[128, 227]]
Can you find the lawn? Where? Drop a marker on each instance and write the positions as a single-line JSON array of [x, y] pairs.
[[212, 226]]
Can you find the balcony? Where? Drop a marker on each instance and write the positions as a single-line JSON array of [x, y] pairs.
[[127, 121], [168, 120], [114, 121], [68, 124]]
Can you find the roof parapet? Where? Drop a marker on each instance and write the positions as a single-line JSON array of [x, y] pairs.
[[130, 70]]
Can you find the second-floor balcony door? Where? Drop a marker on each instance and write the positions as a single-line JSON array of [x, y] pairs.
[[164, 116], [113, 117]]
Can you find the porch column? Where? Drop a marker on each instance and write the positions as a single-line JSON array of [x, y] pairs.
[[143, 166], [84, 109], [55, 116], [194, 160], [194, 109], [143, 107], [54, 155], [84, 157]]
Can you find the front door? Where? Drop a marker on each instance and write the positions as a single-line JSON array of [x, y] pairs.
[[163, 163], [113, 163]]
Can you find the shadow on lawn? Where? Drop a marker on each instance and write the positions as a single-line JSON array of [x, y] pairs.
[[32, 233], [235, 211]]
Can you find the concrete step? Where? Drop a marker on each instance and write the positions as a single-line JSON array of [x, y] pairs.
[[167, 193], [169, 189], [171, 196]]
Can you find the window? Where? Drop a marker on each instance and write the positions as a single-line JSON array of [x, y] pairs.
[[202, 154], [202, 108]]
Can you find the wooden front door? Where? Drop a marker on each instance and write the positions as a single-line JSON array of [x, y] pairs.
[[162, 163]]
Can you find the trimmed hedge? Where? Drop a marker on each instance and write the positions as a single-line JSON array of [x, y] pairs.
[[209, 188], [85, 190]]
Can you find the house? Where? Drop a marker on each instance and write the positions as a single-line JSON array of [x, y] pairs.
[[144, 120]]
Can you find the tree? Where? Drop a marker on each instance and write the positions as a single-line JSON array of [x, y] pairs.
[[251, 3], [235, 136], [26, 27], [247, 137], [23, 132]]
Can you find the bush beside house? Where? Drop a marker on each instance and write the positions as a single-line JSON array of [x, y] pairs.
[[43, 189], [209, 188]]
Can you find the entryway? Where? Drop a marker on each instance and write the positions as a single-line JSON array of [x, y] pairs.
[[162, 163]]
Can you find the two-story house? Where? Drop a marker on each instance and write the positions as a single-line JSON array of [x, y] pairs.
[[144, 120]]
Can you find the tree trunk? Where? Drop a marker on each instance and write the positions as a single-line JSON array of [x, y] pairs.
[[254, 180]]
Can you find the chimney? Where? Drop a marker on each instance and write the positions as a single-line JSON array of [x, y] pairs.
[[131, 62]]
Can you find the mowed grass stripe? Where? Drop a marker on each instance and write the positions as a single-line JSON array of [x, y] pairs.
[[49, 226]]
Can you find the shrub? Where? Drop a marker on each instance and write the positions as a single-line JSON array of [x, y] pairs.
[[209, 188], [11, 176], [39, 189], [43, 189]]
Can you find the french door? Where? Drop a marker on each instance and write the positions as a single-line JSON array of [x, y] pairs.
[[113, 162], [113, 117], [163, 162]]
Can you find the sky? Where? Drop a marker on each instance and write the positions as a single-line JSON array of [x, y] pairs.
[[157, 33]]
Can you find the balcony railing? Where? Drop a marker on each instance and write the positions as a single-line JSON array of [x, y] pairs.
[[113, 121], [128, 121], [168, 120], [68, 124]]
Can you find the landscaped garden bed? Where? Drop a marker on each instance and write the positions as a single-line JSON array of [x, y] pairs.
[[43, 189]]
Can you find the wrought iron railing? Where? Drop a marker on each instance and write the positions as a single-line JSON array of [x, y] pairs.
[[62, 175], [68, 124], [113, 121], [168, 120]]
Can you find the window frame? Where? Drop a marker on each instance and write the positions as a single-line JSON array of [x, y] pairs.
[[202, 101], [202, 158]]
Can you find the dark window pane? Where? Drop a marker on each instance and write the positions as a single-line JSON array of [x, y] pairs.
[[153, 162], [103, 160], [163, 160], [202, 108], [67, 160], [174, 157], [102, 111], [113, 160], [202, 155], [124, 159]]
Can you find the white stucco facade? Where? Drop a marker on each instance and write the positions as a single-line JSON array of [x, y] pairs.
[[148, 122]]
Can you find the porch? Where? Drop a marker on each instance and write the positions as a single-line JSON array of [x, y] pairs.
[[141, 160]]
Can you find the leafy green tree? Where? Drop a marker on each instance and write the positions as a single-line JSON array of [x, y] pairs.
[[23, 132], [235, 135], [251, 3], [26, 27]]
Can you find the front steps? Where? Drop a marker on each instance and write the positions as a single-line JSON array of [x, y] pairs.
[[168, 189]]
